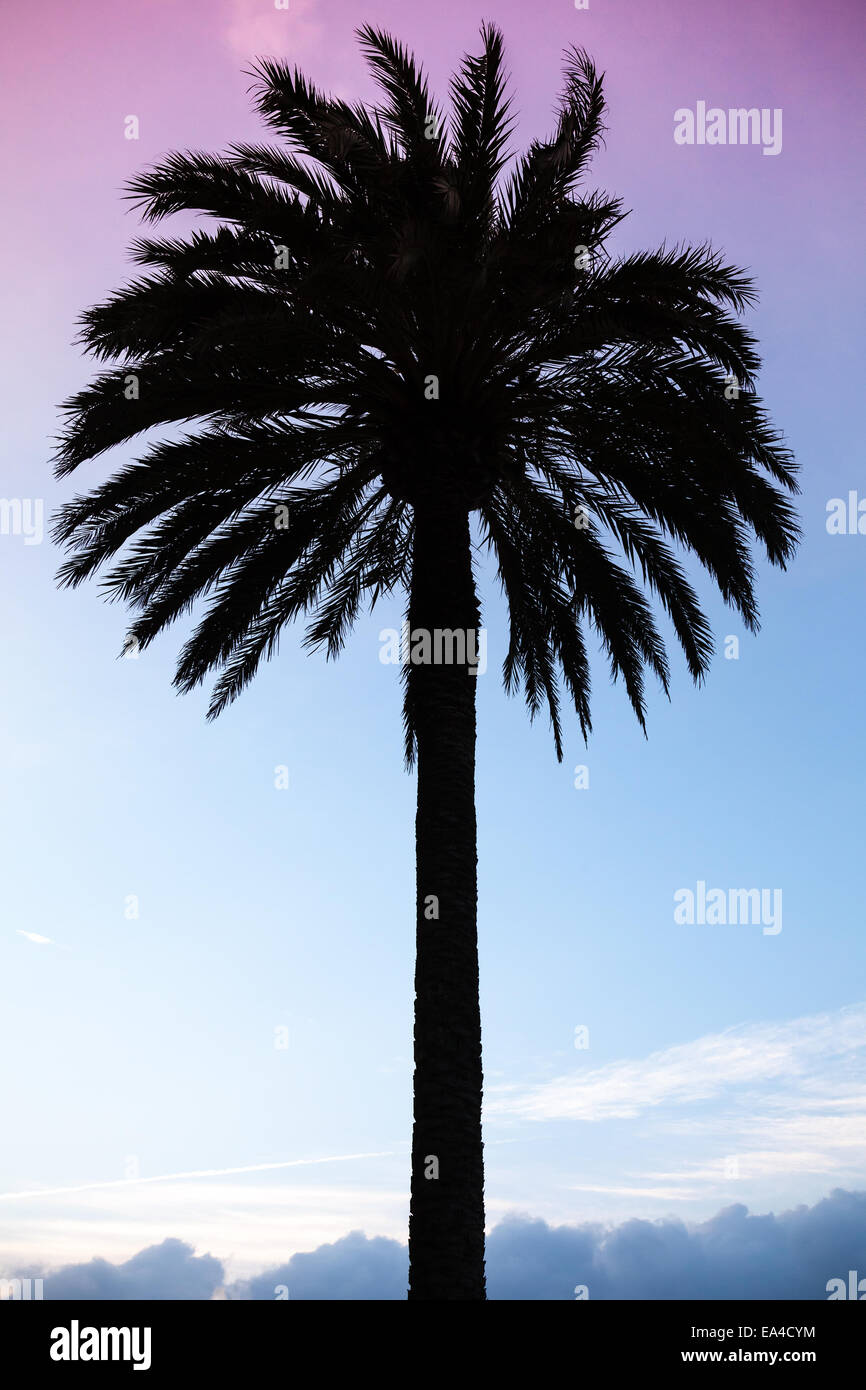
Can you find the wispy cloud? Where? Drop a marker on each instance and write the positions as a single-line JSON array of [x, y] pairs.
[[181, 1177], [35, 937], [740, 1112], [794, 1053], [256, 28]]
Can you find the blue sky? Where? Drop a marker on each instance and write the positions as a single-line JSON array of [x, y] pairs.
[[724, 1064]]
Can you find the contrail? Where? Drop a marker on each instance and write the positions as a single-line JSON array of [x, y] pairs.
[[196, 1173]]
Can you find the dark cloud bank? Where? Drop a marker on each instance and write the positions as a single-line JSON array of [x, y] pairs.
[[733, 1255]]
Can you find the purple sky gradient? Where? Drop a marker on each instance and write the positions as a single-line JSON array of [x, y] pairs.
[[115, 786], [73, 73]]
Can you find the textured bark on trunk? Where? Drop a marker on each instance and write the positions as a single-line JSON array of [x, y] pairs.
[[446, 1222]]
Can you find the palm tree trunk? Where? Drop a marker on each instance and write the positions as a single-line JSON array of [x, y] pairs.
[[446, 1222]]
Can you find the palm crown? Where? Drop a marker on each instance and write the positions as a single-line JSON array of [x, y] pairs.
[[381, 317]]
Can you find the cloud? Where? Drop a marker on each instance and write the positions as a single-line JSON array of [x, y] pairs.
[[757, 1103], [355, 1267], [758, 1056], [256, 28], [182, 1177], [734, 1255], [34, 936], [251, 1222], [167, 1271]]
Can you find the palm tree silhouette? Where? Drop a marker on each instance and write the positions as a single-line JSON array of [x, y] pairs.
[[383, 334]]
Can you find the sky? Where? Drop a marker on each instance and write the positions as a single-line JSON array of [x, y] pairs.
[[206, 976]]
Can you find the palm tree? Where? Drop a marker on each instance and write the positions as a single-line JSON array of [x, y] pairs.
[[382, 335]]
